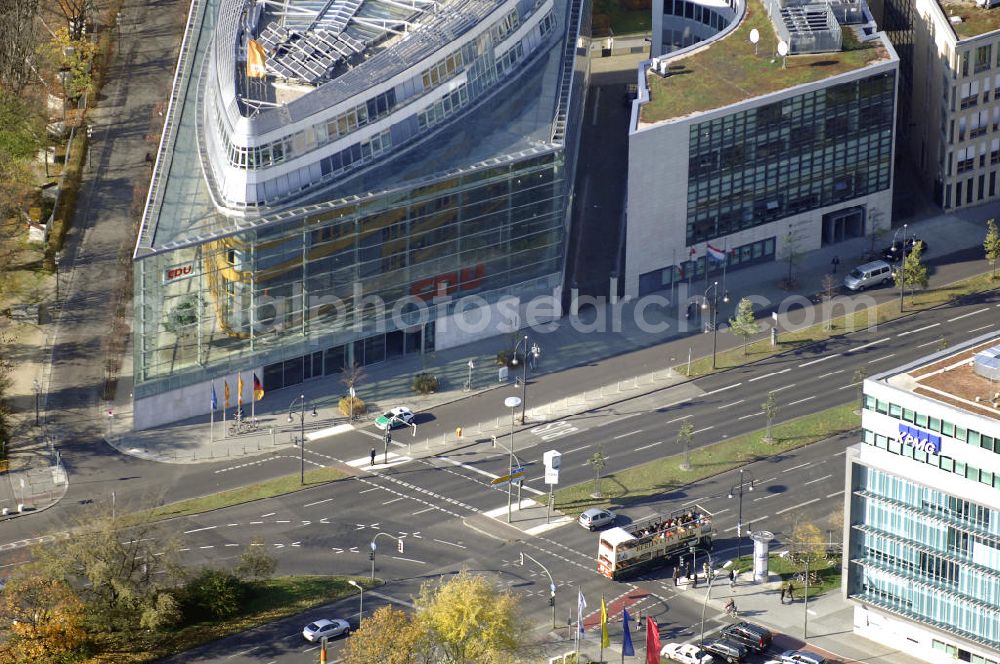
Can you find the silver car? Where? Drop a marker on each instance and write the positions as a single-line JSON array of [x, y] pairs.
[[595, 518], [316, 630]]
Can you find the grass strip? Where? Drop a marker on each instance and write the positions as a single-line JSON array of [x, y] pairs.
[[657, 479], [851, 322], [244, 494], [268, 601]]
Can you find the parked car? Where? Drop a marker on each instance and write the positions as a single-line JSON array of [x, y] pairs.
[[595, 518], [400, 416], [871, 274], [801, 657], [755, 637], [894, 252], [730, 651], [317, 629], [686, 653]]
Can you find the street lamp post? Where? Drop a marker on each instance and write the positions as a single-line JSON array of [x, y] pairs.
[[468, 383], [38, 390], [708, 593], [512, 403], [552, 585], [738, 492], [301, 400], [534, 351], [361, 605], [55, 260], [714, 289], [902, 274]]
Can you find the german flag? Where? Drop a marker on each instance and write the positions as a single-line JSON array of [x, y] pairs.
[[258, 389]]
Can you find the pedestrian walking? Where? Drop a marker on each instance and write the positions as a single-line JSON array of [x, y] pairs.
[[836, 263], [791, 588], [782, 593], [677, 575], [373, 456], [732, 578]]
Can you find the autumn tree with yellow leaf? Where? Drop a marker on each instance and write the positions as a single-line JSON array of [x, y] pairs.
[[388, 636], [45, 619]]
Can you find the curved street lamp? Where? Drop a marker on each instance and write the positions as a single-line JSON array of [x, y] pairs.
[[711, 577], [301, 400], [512, 403], [737, 490], [534, 351], [714, 289]]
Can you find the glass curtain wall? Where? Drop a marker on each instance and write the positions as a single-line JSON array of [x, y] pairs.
[[338, 274]]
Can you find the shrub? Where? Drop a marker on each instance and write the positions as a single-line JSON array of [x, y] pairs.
[[255, 564], [506, 359], [213, 594], [425, 383], [345, 406]]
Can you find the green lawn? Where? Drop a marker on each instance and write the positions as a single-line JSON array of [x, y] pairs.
[[270, 600], [654, 479], [828, 573], [267, 489], [975, 21], [854, 321], [727, 71]]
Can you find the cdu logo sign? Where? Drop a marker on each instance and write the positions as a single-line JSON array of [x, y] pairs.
[[922, 440]]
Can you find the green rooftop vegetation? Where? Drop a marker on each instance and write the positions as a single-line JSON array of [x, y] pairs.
[[727, 71], [975, 21]]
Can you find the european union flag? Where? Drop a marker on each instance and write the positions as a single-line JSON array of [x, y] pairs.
[[627, 648], [215, 399]]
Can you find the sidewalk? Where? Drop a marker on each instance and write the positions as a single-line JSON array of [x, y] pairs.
[[642, 364]]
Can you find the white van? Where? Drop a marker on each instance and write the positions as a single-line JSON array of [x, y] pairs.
[[864, 276]]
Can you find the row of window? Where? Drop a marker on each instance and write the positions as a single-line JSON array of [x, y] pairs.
[[505, 26], [696, 12], [746, 255], [943, 462], [442, 70], [960, 653], [443, 108], [934, 424]]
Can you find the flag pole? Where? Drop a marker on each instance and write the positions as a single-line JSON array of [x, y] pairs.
[[211, 425], [253, 399], [603, 627]]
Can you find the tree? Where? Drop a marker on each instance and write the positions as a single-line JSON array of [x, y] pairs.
[[255, 564], [793, 257], [21, 131], [352, 376], [807, 547], [388, 636], [770, 410], [45, 617], [991, 245], [213, 594], [684, 436], [17, 44], [75, 12], [467, 619], [74, 56], [744, 324], [597, 461], [913, 273]]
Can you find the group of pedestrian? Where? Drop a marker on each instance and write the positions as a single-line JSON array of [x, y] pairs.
[[787, 589]]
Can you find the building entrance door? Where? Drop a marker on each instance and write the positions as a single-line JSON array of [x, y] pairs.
[[843, 225]]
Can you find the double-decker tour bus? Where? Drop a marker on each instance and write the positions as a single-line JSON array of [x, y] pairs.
[[652, 541]]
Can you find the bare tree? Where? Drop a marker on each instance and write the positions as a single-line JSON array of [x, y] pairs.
[[75, 13], [17, 44]]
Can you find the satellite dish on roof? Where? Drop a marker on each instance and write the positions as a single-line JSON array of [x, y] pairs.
[[782, 48], [754, 39]]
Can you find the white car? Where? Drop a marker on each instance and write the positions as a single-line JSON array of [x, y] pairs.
[[400, 416], [686, 653], [316, 630], [596, 518]]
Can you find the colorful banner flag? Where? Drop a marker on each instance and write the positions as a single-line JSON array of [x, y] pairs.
[[581, 604], [239, 391], [717, 255], [256, 60], [605, 642], [215, 399], [258, 389], [225, 394], [652, 641], [627, 648]]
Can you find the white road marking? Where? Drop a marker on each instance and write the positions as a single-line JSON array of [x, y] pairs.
[[678, 419], [867, 345], [232, 545], [318, 502], [746, 417], [374, 488], [730, 405], [783, 387], [795, 507], [770, 495], [767, 375], [422, 511], [256, 523], [409, 560], [722, 389], [832, 373], [577, 449], [282, 521], [208, 546], [971, 313], [488, 474], [394, 500], [626, 435], [801, 465], [835, 493], [198, 530], [884, 357], [646, 447], [675, 403], [700, 430], [929, 343], [264, 516], [844, 387], [822, 359], [818, 479], [802, 400], [451, 544], [919, 329], [984, 327]]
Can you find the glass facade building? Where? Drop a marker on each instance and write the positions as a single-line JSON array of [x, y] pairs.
[[364, 262], [922, 537]]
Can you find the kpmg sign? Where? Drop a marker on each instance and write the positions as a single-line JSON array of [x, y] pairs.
[[922, 440]]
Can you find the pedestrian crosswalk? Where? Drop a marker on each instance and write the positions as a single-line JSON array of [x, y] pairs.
[[382, 461]]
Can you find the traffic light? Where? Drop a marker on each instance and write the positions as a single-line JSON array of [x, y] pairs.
[[552, 600], [388, 437], [371, 555]]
